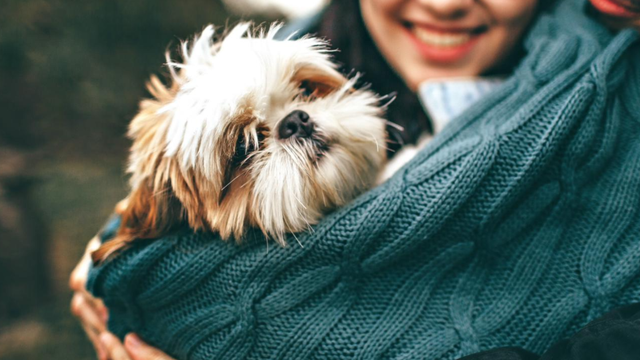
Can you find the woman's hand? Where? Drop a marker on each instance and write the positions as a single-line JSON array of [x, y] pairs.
[[619, 14], [90, 311], [132, 349], [93, 316]]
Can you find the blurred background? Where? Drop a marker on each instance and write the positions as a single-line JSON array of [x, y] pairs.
[[71, 76]]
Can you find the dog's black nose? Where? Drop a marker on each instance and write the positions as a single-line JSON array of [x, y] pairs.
[[296, 124]]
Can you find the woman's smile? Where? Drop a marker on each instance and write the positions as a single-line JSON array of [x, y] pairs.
[[426, 39], [618, 8], [443, 44]]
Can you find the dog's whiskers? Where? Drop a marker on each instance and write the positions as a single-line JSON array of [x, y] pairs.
[[298, 240], [394, 125]]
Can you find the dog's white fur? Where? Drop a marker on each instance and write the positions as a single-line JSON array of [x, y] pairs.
[[238, 90]]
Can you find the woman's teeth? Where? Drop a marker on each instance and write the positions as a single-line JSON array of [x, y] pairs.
[[440, 39]]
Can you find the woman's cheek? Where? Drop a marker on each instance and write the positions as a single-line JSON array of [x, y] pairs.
[[511, 14], [509, 21]]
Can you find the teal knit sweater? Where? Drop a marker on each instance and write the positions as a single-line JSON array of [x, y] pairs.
[[517, 225]]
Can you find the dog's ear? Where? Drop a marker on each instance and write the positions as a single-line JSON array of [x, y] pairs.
[[148, 214], [151, 210]]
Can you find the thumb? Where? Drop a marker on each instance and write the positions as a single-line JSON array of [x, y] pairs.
[[139, 350]]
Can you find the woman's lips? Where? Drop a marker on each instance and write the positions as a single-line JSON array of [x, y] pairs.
[[440, 39], [443, 45], [616, 8]]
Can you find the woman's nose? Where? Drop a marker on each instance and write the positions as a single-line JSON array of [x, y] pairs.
[[447, 8]]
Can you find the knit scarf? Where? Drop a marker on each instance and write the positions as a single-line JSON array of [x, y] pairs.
[[517, 225]]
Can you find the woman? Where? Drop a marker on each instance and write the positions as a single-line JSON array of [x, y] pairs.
[[411, 41]]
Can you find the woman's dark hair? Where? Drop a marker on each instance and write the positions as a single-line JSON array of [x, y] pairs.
[[342, 25]]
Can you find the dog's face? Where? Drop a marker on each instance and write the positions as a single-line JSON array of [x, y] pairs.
[[253, 132]]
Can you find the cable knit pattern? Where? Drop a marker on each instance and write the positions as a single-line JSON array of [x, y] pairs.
[[517, 225]]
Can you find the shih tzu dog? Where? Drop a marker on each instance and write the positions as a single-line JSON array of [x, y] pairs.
[[252, 132]]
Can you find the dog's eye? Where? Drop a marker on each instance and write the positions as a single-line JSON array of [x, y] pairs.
[[317, 82], [243, 148], [308, 88], [311, 88]]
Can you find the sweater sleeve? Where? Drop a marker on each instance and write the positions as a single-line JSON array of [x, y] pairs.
[[614, 336]]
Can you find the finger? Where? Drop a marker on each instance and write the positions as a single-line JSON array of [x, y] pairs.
[[114, 347], [122, 205], [101, 352], [103, 312], [95, 303], [139, 350], [79, 274], [81, 308], [78, 277], [93, 245]]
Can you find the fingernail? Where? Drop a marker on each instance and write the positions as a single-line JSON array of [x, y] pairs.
[[133, 341], [106, 339]]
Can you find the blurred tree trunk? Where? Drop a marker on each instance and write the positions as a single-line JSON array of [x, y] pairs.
[[24, 283]]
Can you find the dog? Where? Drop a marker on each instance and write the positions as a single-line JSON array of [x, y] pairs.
[[251, 132]]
